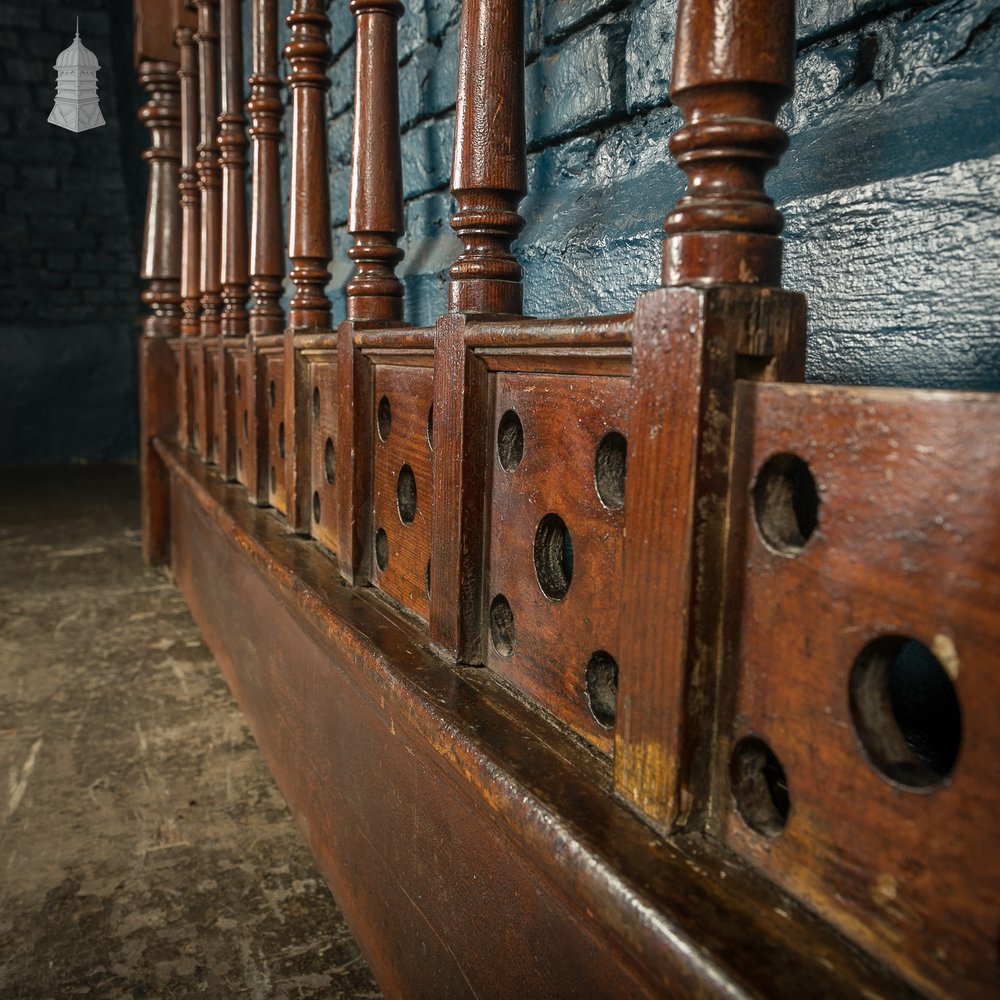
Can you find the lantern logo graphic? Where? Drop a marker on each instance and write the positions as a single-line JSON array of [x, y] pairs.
[[76, 106]]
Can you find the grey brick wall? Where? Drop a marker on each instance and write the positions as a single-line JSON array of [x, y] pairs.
[[68, 242], [891, 187]]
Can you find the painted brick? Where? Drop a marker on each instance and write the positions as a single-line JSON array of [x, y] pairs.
[[562, 16], [427, 83], [648, 54], [427, 156], [340, 96]]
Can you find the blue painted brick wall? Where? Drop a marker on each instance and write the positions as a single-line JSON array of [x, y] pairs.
[[890, 189]]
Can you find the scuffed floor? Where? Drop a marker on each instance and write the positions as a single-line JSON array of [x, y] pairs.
[[144, 849]]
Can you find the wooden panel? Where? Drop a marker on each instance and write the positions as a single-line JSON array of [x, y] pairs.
[[324, 448], [554, 440], [212, 378], [243, 403], [401, 468], [888, 834], [274, 406]]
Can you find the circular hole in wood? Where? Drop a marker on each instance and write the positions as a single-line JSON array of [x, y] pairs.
[[281, 439], [759, 785], [384, 418], [329, 461], [430, 427], [427, 578], [502, 625], [602, 687], [239, 385], [906, 711], [406, 495], [273, 480], [609, 470], [316, 506], [785, 504], [246, 426], [510, 441], [316, 402], [271, 396], [381, 548], [553, 556]]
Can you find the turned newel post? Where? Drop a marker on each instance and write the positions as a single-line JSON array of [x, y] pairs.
[[207, 38], [721, 318], [161, 256], [267, 251], [488, 169], [232, 157], [376, 217], [308, 54], [733, 69], [161, 261]]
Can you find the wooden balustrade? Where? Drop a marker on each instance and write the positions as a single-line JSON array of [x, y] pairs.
[[691, 578]]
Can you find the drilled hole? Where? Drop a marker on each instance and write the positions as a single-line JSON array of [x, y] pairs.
[[316, 506], [246, 426], [329, 466], [384, 418], [553, 556], [239, 385], [759, 786], [602, 687], [430, 427], [281, 439], [271, 397], [502, 625], [406, 495], [273, 480], [427, 578], [785, 503], [510, 441], [609, 470], [316, 403], [906, 711], [381, 548]]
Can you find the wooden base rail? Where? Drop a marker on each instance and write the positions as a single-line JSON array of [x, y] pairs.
[[594, 657]]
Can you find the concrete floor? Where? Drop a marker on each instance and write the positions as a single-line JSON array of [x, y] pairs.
[[144, 849]]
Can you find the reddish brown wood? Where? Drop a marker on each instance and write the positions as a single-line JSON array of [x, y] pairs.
[[324, 391], [160, 296], [267, 257], [488, 170], [234, 263], [733, 69], [904, 544], [376, 219], [308, 55], [205, 371]]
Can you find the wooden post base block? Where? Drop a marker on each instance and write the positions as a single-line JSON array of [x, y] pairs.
[[211, 378], [244, 453], [232, 356], [859, 763], [556, 514], [324, 446]]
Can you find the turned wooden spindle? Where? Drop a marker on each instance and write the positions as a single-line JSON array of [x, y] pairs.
[[376, 218], [161, 260], [733, 69], [232, 157], [308, 54], [488, 169], [207, 38], [267, 258], [190, 198]]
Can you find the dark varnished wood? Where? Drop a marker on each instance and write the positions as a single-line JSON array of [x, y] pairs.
[[488, 177], [308, 54], [161, 297], [376, 219], [733, 69], [234, 263]]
